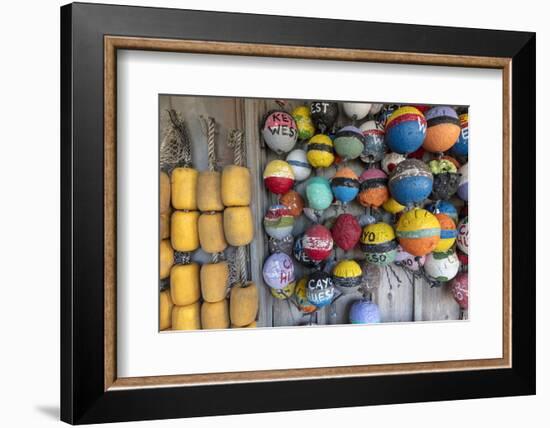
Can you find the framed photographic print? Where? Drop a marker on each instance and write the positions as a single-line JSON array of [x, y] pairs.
[[258, 207]]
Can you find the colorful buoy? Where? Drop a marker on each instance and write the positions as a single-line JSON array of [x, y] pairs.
[[345, 185], [297, 159], [294, 202], [379, 244], [391, 160], [278, 271], [280, 132], [445, 179], [349, 142], [461, 146], [462, 239], [317, 243], [356, 111], [320, 288], [364, 312], [318, 193], [323, 114], [284, 293], [392, 206], [302, 117], [443, 129], [418, 231], [300, 293], [278, 221], [405, 130], [346, 231], [411, 182], [444, 207], [409, 261], [448, 233], [278, 177], [374, 144], [374, 190], [320, 151], [347, 275], [462, 191], [300, 254], [441, 267], [459, 289]]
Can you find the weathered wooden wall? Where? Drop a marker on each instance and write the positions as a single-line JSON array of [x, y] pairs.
[[398, 298]]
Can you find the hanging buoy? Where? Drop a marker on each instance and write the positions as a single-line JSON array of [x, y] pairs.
[[459, 288], [347, 275], [294, 202], [356, 111], [443, 129], [278, 177], [278, 222], [278, 271], [391, 160], [345, 185], [302, 117], [349, 142], [445, 179], [300, 254], [300, 293], [461, 146], [320, 151], [405, 130], [411, 182], [441, 267], [374, 144], [364, 312], [379, 244], [462, 191], [284, 293], [318, 193], [323, 114], [297, 159], [418, 231], [317, 243], [346, 231], [392, 206], [462, 238], [413, 263], [444, 207], [280, 132], [448, 233], [374, 190], [320, 288]]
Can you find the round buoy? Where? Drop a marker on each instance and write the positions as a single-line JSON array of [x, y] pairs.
[[374, 142], [300, 254], [411, 182], [459, 289], [443, 129], [405, 130], [374, 190], [379, 244], [284, 293], [317, 243], [391, 160], [461, 146], [323, 114], [347, 275], [280, 132], [300, 293], [448, 234], [445, 179], [302, 117], [444, 207], [356, 111], [278, 221], [320, 151], [441, 267], [364, 312], [297, 159], [349, 142], [418, 231], [462, 191], [278, 177], [318, 193], [345, 185], [278, 271], [392, 206], [346, 231], [462, 239], [320, 288], [294, 202]]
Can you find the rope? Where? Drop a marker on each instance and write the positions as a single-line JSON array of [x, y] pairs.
[[236, 139], [240, 261], [181, 153], [209, 129]]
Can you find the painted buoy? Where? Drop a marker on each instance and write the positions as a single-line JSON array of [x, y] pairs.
[[405, 130], [461, 145], [418, 231], [349, 142], [386, 111], [409, 261], [459, 288], [375, 109], [320, 288], [280, 132], [347, 275], [379, 244], [452, 160], [300, 254], [297, 159], [443, 129], [441, 267], [448, 233], [462, 191], [300, 294], [278, 271], [444, 207], [445, 177], [391, 160], [345, 185], [284, 245], [411, 182], [317, 243], [302, 117], [278, 177], [364, 312], [278, 222], [462, 239], [294, 202], [392, 206], [320, 151], [346, 231], [374, 189], [374, 144], [356, 111], [463, 259], [323, 114], [318, 193], [284, 293]]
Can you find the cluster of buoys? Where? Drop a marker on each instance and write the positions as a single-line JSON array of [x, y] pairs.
[[413, 182]]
